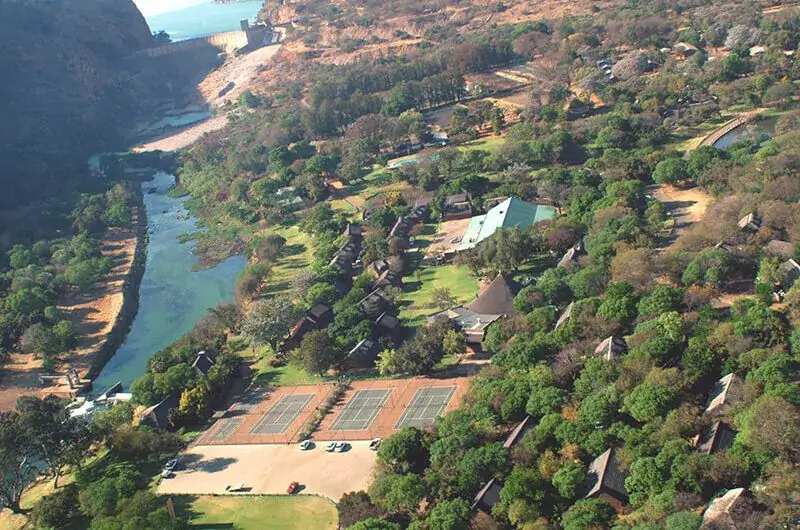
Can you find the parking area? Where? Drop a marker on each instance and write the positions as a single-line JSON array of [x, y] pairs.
[[268, 469], [361, 410], [427, 405]]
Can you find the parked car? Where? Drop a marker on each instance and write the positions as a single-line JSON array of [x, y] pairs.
[[340, 446], [292, 487], [169, 467], [374, 444], [305, 445], [330, 446]]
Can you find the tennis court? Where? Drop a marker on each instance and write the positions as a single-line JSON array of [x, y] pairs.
[[427, 405], [361, 410], [282, 414], [225, 428]]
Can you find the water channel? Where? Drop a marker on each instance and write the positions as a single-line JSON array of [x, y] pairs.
[[764, 126], [172, 297]]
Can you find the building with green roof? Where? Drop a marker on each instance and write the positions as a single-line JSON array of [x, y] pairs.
[[508, 214]]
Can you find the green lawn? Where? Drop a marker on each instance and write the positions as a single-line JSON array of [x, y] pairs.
[[490, 143], [279, 512], [298, 255], [416, 298]]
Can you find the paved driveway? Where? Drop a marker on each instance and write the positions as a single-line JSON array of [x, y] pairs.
[[207, 469]]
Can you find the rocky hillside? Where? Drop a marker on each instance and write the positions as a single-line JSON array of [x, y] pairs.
[[70, 87]]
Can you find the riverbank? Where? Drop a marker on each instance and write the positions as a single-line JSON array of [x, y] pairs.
[[101, 317]]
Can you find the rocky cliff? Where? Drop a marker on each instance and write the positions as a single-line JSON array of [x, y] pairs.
[[71, 86]]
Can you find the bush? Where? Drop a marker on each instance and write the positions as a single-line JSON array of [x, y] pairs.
[[57, 510]]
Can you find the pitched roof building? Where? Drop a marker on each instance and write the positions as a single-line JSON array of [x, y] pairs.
[[565, 315], [203, 363], [362, 356], [488, 496], [721, 512], [508, 214], [515, 436], [606, 480], [497, 298], [457, 206], [726, 391], [611, 348], [780, 249], [471, 324], [791, 271], [159, 416], [719, 437]]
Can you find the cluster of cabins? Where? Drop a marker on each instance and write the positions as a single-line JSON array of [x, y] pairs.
[[376, 304], [606, 476]]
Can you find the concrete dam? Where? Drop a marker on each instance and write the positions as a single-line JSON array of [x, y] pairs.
[[229, 42]]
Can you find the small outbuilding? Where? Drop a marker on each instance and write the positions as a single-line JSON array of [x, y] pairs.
[[611, 348]]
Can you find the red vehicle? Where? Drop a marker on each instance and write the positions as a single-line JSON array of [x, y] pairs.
[[292, 487]]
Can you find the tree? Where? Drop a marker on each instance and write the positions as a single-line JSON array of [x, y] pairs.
[[454, 343], [684, 521], [569, 480], [648, 401], [588, 513], [772, 427], [443, 298], [670, 171], [57, 510], [54, 436], [354, 507], [194, 402], [37, 339], [449, 515], [269, 321], [374, 524], [315, 353], [17, 467], [404, 452], [375, 248], [399, 493]]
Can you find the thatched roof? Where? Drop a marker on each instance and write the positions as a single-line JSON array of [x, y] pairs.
[[497, 299]]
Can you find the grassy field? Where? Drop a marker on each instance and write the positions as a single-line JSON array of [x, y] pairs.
[[297, 255], [490, 143], [416, 298], [279, 512]]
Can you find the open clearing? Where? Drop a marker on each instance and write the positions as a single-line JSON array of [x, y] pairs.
[[250, 513], [416, 301], [687, 206], [207, 469], [446, 233]]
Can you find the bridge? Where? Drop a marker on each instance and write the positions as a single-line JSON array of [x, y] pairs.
[[714, 137]]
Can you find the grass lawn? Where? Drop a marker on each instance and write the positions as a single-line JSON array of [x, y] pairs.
[[278, 512], [297, 255], [286, 375], [416, 298], [490, 143]]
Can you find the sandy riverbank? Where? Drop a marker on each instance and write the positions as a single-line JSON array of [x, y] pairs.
[[93, 314]]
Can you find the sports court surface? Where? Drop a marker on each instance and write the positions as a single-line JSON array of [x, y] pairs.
[[282, 414], [361, 410], [267, 415], [427, 405], [369, 409]]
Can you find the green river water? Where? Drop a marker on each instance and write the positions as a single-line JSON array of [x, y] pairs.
[[172, 297]]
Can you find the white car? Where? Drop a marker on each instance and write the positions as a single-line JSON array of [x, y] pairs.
[[305, 445], [330, 446], [374, 444], [340, 446]]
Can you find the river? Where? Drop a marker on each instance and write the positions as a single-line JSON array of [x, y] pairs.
[[204, 19], [757, 128], [172, 297]]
